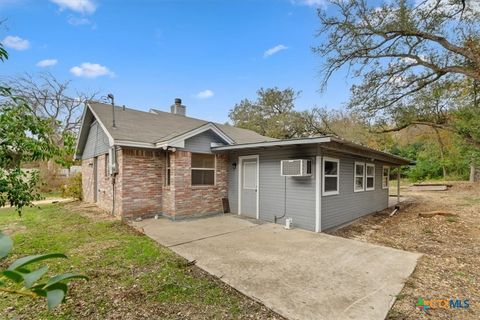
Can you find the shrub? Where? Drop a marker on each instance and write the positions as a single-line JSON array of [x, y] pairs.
[[73, 188], [21, 279]]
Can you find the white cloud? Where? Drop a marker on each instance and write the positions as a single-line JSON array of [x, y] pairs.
[[47, 63], [91, 70], [310, 3], [75, 21], [411, 60], [274, 50], [16, 43], [205, 94], [81, 6]]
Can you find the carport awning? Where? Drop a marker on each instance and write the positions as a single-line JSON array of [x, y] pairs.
[[326, 142]]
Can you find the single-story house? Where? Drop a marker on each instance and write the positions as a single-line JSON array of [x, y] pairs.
[[137, 163]]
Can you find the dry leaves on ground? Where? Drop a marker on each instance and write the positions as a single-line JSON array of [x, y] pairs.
[[450, 265]]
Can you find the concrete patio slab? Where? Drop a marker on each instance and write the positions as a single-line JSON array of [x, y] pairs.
[[299, 274], [172, 233]]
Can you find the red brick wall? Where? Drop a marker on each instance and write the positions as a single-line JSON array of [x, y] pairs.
[[104, 184], [168, 197], [87, 180], [140, 188], [142, 182], [105, 188]]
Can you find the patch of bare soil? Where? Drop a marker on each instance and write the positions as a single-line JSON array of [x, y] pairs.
[[90, 210], [450, 265], [13, 228]]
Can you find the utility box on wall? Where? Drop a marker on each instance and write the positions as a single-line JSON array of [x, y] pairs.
[[112, 161]]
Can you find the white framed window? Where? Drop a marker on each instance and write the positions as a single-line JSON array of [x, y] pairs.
[[203, 169], [370, 173], [385, 177], [331, 176], [359, 177]]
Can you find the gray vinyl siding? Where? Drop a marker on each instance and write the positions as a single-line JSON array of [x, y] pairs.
[[202, 142], [349, 205], [336, 209], [300, 191], [97, 142]]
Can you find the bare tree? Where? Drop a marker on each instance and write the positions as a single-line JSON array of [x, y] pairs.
[[400, 47], [412, 58], [52, 99]]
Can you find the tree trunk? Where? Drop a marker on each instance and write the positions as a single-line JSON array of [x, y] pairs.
[[474, 172], [442, 152]]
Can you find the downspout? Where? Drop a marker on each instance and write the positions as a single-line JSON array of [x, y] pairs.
[[397, 206], [318, 192], [113, 195], [398, 185], [114, 171]]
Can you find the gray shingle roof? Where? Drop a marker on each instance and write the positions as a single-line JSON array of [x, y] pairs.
[[158, 126]]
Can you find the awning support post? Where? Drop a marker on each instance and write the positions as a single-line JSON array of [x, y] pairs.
[[398, 185]]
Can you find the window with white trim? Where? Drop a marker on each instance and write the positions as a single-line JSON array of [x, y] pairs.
[[331, 177], [385, 177], [203, 169], [359, 179], [370, 173]]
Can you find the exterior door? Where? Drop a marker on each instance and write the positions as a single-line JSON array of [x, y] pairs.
[[249, 187]]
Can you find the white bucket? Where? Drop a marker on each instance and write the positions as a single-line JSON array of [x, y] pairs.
[[288, 223]]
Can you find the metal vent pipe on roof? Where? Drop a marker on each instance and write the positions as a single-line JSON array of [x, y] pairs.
[[112, 99]]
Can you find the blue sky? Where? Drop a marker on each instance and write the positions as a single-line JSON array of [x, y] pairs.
[[211, 53]]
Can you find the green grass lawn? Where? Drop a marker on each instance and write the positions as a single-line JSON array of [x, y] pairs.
[[131, 276]]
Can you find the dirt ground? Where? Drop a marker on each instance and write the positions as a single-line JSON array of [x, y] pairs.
[[450, 265]]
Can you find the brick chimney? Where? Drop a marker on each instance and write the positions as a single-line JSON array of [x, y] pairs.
[[178, 108]]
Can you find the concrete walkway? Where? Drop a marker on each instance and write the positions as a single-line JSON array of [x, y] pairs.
[[48, 201], [299, 274], [52, 200]]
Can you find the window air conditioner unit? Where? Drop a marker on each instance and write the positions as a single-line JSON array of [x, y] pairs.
[[296, 168]]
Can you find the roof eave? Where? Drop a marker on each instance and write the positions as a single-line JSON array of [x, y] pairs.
[[135, 144], [109, 135], [273, 143], [321, 140], [395, 159]]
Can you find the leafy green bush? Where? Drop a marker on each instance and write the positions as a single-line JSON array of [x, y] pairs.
[[19, 278], [425, 169], [429, 164], [73, 188]]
